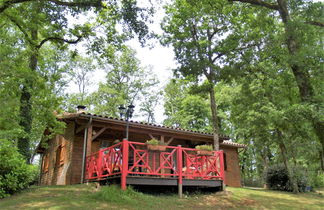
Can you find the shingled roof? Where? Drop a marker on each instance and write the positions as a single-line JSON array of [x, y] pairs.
[[230, 143], [148, 125]]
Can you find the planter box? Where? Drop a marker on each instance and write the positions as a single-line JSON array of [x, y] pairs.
[[156, 147], [205, 152]]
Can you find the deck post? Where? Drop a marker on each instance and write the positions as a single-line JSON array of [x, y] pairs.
[[99, 164], [221, 163], [179, 165], [124, 164]]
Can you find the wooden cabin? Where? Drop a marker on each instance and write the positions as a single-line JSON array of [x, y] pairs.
[[88, 151]]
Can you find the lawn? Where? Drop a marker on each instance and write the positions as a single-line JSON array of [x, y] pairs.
[[87, 197]]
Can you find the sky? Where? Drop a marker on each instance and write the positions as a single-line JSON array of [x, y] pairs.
[[159, 58]]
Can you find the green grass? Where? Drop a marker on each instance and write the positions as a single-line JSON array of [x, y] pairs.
[[87, 197]]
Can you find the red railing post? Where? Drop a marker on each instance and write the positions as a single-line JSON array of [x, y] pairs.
[[221, 163], [124, 164], [99, 164], [179, 164]]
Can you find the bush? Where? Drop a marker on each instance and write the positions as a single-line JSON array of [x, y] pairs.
[[205, 147], [155, 142], [15, 173], [317, 180], [277, 178]]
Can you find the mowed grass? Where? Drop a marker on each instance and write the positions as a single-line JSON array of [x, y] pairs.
[[88, 197]]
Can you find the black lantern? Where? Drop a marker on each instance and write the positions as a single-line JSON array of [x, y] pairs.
[[122, 111], [127, 113]]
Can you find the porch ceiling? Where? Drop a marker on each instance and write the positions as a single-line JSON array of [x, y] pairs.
[[135, 126]]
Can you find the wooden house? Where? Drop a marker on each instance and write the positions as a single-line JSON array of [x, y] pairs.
[[87, 151]]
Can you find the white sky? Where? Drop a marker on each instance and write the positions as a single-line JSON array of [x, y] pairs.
[[161, 60]]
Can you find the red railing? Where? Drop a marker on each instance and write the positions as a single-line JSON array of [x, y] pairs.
[[133, 158]]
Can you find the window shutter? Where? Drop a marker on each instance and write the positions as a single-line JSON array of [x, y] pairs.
[[45, 163], [62, 153]]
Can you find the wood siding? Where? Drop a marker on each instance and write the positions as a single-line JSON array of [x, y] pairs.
[[59, 167], [232, 172]]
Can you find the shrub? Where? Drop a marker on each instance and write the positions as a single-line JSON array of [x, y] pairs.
[[15, 173], [277, 178], [317, 180], [205, 147], [155, 142]]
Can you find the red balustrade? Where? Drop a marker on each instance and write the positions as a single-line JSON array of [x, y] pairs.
[[175, 162]]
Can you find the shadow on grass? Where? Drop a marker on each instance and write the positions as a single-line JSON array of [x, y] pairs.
[[270, 199]]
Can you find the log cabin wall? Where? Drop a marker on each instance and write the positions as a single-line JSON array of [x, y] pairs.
[[232, 168], [56, 159], [75, 176]]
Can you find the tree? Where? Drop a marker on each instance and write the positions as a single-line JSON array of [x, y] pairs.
[[37, 24], [80, 71], [300, 20], [185, 109], [203, 36], [150, 101], [126, 83]]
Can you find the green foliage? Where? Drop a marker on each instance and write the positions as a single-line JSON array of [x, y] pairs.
[[277, 178], [184, 109], [126, 83], [155, 142], [317, 180], [205, 147], [15, 174]]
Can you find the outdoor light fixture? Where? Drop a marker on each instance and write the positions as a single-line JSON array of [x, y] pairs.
[[127, 113]]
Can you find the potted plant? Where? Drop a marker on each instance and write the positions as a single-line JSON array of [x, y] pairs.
[[155, 145], [204, 149]]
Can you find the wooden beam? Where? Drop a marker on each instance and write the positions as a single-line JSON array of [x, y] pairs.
[[99, 133], [89, 140], [162, 139], [81, 128], [170, 140], [151, 136]]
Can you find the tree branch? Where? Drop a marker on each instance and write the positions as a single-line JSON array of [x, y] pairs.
[[12, 19], [259, 3], [59, 39], [6, 4], [97, 3], [315, 23], [217, 57]]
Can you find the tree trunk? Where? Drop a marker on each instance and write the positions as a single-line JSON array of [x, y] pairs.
[[25, 121], [213, 108], [292, 179], [264, 155], [321, 155], [25, 114], [319, 129]]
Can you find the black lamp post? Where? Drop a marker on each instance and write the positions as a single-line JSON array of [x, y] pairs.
[[128, 113]]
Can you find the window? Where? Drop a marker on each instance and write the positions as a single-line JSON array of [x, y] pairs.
[[45, 163], [225, 161]]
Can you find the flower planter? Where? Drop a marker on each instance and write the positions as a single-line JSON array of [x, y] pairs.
[[156, 147], [205, 153]]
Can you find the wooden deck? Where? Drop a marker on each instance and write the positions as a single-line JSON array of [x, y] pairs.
[[131, 163]]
